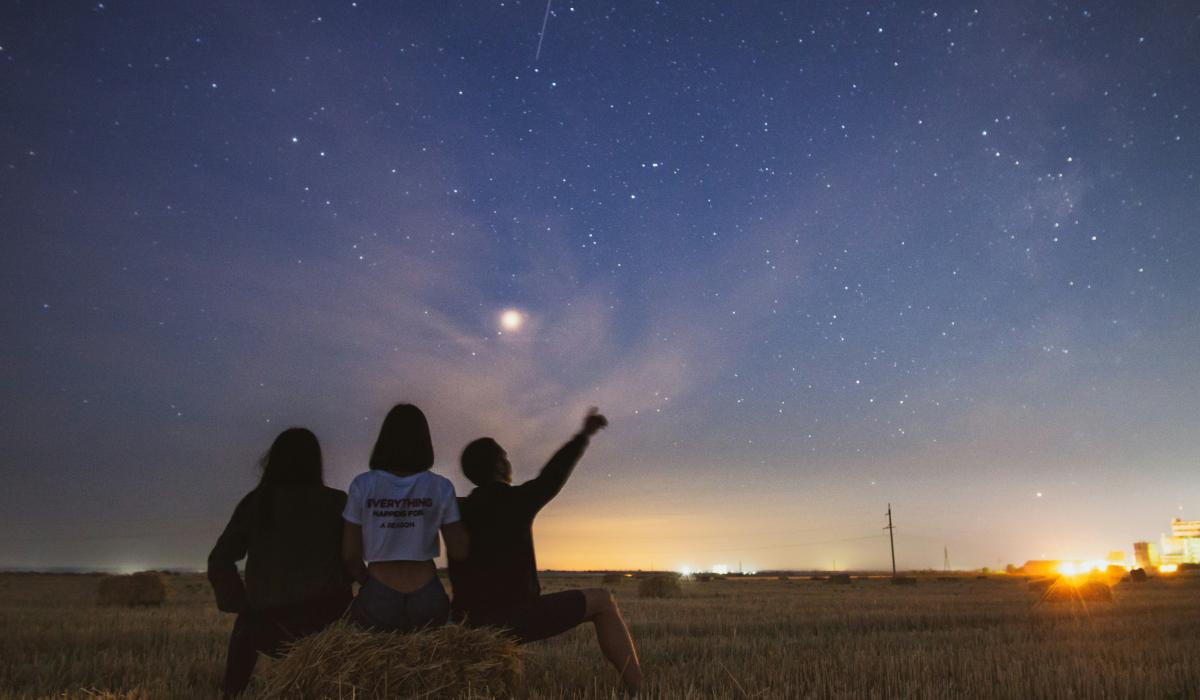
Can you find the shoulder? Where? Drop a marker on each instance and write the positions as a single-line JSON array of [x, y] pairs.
[[247, 503], [441, 483], [362, 480]]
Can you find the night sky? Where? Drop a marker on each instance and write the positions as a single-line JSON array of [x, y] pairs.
[[809, 259]]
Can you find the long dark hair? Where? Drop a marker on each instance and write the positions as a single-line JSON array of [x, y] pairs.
[[294, 459], [404, 444]]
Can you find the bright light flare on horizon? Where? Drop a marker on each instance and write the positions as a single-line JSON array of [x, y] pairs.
[[1083, 568], [511, 320]]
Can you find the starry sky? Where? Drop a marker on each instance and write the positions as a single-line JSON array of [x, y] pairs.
[[809, 258]]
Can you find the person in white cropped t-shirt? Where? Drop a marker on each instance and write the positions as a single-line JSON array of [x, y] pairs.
[[394, 514]]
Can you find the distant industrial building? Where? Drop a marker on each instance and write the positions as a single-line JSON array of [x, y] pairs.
[[1185, 528], [1145, 554], [1183, 545]]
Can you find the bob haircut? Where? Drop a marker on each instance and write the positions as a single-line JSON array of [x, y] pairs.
[[294, 458], [479, 460], [404, 445]]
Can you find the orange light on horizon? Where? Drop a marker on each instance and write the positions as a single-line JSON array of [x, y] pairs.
[[1090, 566]]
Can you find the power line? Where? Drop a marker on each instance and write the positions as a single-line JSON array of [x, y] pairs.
[[891, 538]]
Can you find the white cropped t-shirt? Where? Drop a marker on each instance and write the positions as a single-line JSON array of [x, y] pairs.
[[400, 515]]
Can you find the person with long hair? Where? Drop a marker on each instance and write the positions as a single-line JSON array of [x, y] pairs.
[[393, 515], [497, 585], [288, 530]]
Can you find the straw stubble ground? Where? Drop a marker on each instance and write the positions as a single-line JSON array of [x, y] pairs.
[[733, 638]]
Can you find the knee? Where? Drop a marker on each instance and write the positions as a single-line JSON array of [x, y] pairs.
[[599, 601]]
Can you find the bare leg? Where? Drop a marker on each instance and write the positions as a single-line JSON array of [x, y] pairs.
[[613, 635]]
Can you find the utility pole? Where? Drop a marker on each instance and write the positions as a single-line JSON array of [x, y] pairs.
[[945, 557], [891, 538]]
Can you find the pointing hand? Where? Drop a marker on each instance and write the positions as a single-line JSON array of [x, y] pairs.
[[593, 422]]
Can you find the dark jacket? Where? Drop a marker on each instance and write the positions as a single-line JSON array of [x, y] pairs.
[[291, 539], [501, 570]]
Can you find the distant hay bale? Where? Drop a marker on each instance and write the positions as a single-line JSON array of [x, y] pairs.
[[843, 579], [142, 588], [344, 661], [612, 579], [1066, 591], [1041, 585], [660, 587], [1137, 575], [904, 581]]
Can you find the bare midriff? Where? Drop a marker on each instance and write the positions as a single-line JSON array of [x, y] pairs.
[[403, 576]]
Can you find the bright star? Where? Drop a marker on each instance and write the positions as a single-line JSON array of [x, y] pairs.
[[511, 320]]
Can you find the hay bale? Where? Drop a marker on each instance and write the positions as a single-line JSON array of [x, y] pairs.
[[1041, 585], [1137, 575], [343, 661], [904, 581], [843, 579], [142, 588], [1067, 591], [660, 587]]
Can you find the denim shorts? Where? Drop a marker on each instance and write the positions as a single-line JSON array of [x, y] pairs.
[[384, 609]]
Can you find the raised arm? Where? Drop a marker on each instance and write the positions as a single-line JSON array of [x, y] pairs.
[[231, 548], [537, 492]]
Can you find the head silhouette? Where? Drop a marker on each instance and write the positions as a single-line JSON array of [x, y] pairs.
[[484, 461], [294, 458], [404, 445]]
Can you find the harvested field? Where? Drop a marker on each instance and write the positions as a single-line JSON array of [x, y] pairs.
[[142, 588], [764, 638]]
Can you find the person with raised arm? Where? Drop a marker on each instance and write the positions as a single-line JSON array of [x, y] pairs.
[[496, 585], [393, 515]]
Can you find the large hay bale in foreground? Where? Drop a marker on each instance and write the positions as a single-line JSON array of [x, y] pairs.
[[142, 588], [660, 587], [1067, 591], [344, 661]]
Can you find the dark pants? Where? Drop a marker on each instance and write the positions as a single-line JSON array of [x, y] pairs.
[[384, 609], [535, 619], [268, 631]]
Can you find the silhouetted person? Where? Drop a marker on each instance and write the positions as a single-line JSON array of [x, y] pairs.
[[392, 518], [497, 584], [289, 531]]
